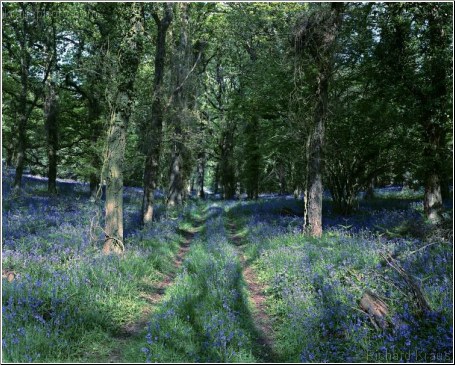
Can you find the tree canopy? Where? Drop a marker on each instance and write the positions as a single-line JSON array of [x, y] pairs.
[[231, 98]]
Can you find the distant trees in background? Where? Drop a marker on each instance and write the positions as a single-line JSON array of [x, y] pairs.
[[232, 97]]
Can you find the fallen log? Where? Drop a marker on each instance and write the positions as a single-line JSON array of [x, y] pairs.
[[376, 309], [8, 274]]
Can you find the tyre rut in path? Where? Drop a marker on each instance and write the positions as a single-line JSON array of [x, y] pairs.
[[133, 330], [262, 322]]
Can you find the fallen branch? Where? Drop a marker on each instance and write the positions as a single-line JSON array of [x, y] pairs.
[[419, 297]]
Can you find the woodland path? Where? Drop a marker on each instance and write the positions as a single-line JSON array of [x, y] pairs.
[[262, 333], [153, 296], [261, 320]]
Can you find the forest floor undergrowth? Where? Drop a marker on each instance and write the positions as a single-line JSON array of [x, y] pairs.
[[222, 281]]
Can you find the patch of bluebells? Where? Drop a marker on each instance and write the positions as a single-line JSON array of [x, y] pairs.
[[316, 287], [62, 280]]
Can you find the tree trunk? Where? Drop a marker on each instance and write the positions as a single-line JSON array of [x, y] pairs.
[[200, 175], [175, 195], [114, 179], [183, 57], [252, 158], [432, 199], [51, 117], [128, 62], [51, 110], [23, 110], [94, 185], [21, 144], [282, 177], [227, 171], [315, 189], [369, 194], [216, 180], [434, 113], [324, 63], [152, 159]]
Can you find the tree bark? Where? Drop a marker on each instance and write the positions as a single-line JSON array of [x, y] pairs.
[[176, 184], [23, 110], [315, 189], [369, 194], [175, 195], [51, 116], [51, 110], [94, 112], [252, 158], [128, 62], [152, 160], [200, 175], [433, 199], [114, 177], [227, 171], [434, 104], [324, 63]]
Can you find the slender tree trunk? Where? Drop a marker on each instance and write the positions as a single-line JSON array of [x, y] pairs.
[[51, 117], [369, 194], [252, 158], [96, 132], [315, 189], [23, 110], [21, 144], [216, 181], [200, 175], [152, 160], [94, 183], [114, 180], [432, 200], [128, 62], [175, 195], [282, 177], [51, 110]]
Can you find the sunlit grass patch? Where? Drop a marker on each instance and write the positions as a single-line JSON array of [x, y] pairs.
[[188, 227]]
